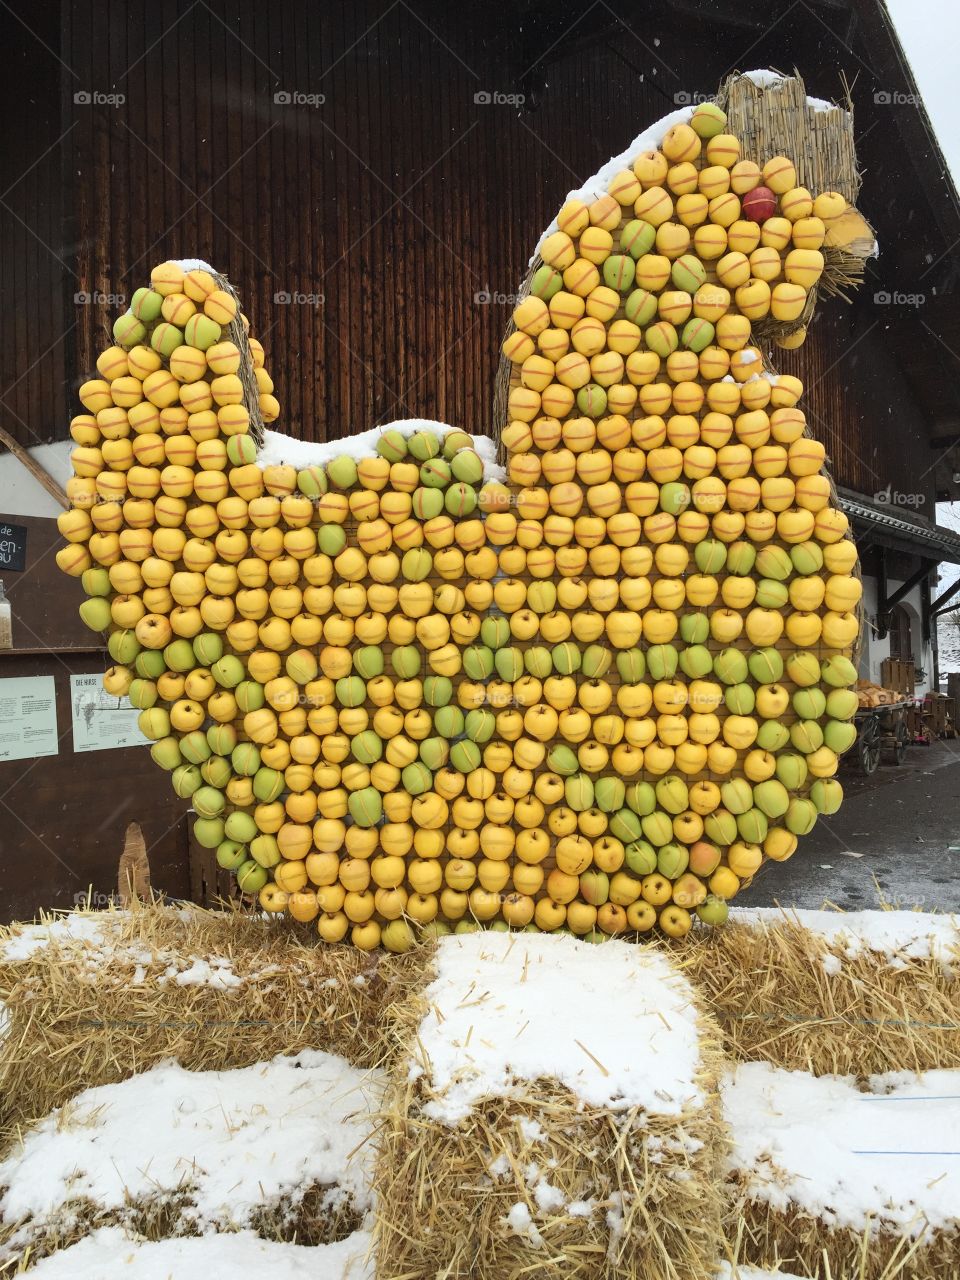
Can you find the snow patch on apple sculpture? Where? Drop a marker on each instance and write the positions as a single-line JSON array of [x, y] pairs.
[[407, 691]]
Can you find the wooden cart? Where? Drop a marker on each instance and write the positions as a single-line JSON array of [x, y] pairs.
[[879, 729]]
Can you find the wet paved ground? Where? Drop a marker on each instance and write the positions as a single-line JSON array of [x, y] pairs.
[[896, 837]]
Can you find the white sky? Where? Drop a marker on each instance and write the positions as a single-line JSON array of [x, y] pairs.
[[929, 31]]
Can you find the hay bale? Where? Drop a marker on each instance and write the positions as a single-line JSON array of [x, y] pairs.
[[836, 1180], [94, 997], [833, 993], [557, 1116]]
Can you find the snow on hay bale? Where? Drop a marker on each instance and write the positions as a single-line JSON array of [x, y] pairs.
[[93, 997], [282, 1149], [558, 1116], [842, 1180], [833, 992]]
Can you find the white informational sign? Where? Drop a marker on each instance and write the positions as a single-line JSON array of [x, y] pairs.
[[101, 721], [28, 717]]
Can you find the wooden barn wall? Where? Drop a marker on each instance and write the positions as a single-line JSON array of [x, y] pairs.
[[400, 199]]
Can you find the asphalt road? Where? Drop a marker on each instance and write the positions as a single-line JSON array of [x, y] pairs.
[[895, 839]]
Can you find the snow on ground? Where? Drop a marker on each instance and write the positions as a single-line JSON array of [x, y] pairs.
[[727, 1272], [888, 1157], [109, 1254], [615, 1024], [230, 1142], [898, 936], [278, 448]]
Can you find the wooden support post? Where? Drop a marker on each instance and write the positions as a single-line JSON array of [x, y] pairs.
[[39, 474]]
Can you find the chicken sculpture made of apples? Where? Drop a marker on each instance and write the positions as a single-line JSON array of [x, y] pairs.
[[404, 697]]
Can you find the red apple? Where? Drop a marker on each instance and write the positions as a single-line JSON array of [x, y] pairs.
[[759, 204]]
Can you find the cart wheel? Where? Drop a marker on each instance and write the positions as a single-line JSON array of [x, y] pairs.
[[901, 740], [869, 746]]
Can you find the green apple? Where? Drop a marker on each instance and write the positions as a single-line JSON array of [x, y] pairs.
[[366, 806], [740, 699], [662, 660], [407, 663], [231, 854], [149, 664], [96, 582], [595, 887], [448, 722], [479, 724], [827, 795], [465, 756], [561, 759], [495, 632], [638, 237], [838, 672], [720, 827], [186, 779], [631, 665], [774, 562], [95, 613], [672, 794], [640, 857], [240, 826], [208, 646], [674, 496], [453, 442], [311, 481], [467, 466], [216, 771], [154, 723], [208, 832], [710, 555], [166, 753], [331, 539], [434, 752], [809, 704], [672, 860], [578, 792], [423, 445], [656, 827], [730, 666], [342, 471], [714, 911], [696, 661], [741, 558], [772, 735], [245, 759], [228, 671], [242, 450], [392, 445], [842, 704], [416, 778], [771, 797], [209, 802], [806, 736], [597, 661], [268, 784], [249, 695], [771, 594], [753, 826], [839, 735], [195, 747], [265, 851], [351, 691], [437, 691], [627, 827], [566, 657], [179, 656], [251, 877], [694, 628], [765, 665], [807, 557], [366, 747], [609, 793], [801, 816], [737, 795], [368, 661], [301, 666], [417, 564], [537, 661], [641, 798], [142, 694], [123, 647], [477, 661], [791, 770], [509, 663], [803, 668], [435, 474]]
